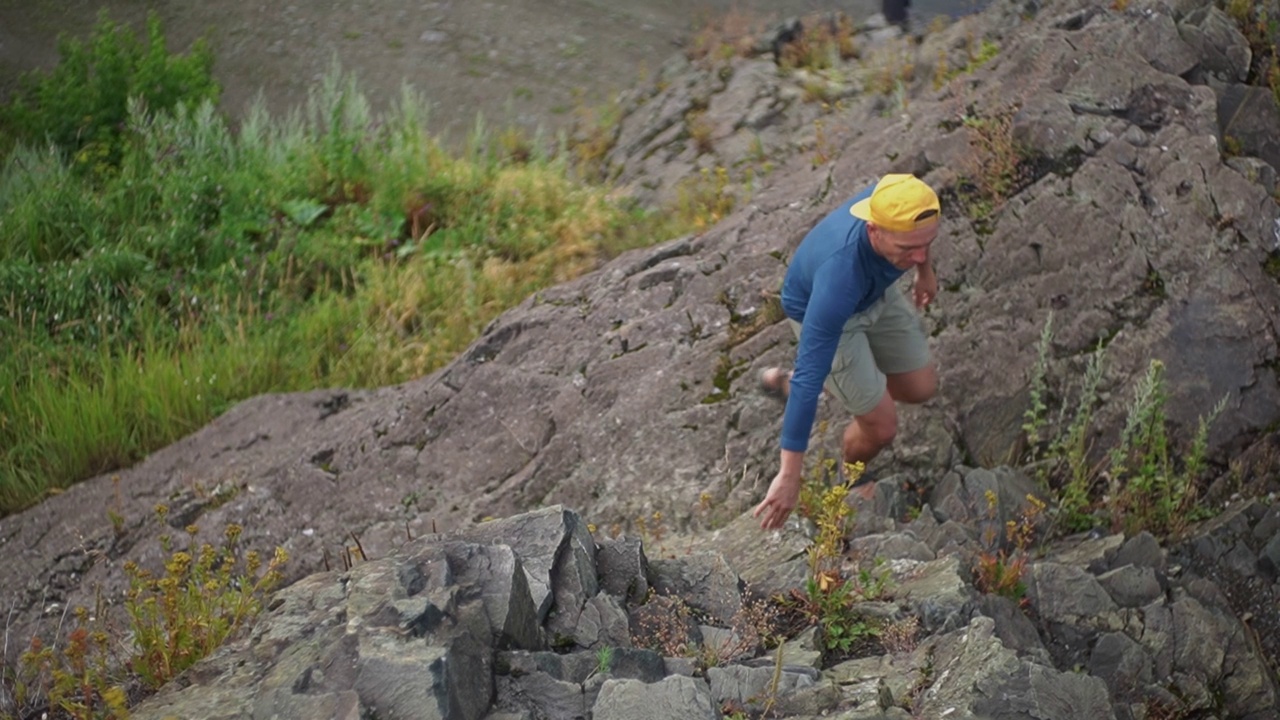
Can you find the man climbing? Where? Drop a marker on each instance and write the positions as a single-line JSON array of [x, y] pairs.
[[857, 333]]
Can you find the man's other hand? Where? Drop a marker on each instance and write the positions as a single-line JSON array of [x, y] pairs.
[[925, 288]]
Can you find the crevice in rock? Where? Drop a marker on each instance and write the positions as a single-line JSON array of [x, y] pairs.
[[1036, 167], [257, 437], [625, 348], [658, 277], [1076, 21], [1083, 109], [493, 342], [666, 252], [333, 405], [324, 460], [727, 370]]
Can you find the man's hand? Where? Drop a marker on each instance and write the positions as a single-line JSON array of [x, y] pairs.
[[925, 288], [784, 493]]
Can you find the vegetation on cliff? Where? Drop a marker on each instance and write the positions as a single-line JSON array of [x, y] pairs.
[[158, 264]]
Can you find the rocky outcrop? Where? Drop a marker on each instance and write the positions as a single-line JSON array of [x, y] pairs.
[[502, 620], [629, 394], [1132, 126]]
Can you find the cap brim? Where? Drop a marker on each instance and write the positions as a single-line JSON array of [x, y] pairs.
[[862, 209]]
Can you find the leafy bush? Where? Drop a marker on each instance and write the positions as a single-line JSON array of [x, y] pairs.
[[829, 597], [81, 106]]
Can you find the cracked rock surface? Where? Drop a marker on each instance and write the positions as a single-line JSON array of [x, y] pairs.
[[629, 393]]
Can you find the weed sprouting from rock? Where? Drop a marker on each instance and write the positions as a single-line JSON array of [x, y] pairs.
[[829, 597], [1151, 489], [604, 660], [993, 167], [1034, 418], [663, 625], [1143, 482], [1001, 565], [666, 624], [820, 45], [1072, 447], [900, 636], [203, 597]]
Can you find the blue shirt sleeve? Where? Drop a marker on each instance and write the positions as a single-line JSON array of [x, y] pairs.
[[834, 300]]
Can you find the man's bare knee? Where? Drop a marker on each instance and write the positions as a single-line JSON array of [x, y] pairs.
[[914, 387], [863, 441]]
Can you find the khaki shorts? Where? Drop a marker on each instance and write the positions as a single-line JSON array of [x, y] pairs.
[[885, 338]]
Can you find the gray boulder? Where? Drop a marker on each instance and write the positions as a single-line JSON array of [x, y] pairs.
[[981, 678], [675, 698], [559, 559], [624, 569], [1248, 117], [749, 688], [706, 582]]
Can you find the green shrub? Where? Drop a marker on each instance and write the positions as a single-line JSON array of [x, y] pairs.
[[204, 596], [82, 105], [1152, 487], [1151, 482]]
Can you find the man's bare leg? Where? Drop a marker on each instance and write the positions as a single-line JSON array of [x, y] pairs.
[[868, 434], [913, 387]]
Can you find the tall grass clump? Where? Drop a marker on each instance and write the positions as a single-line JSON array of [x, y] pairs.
[[197, 263], [1144, 481]]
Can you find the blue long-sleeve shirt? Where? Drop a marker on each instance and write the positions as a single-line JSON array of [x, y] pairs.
[[833, 275]]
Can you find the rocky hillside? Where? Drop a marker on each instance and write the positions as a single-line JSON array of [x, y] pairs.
[[528, 617], [1111, 167]]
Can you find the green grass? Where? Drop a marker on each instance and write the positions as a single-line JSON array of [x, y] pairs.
[[193, 265]]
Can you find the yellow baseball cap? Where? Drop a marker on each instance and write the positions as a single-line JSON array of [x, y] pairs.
[[897, 203]]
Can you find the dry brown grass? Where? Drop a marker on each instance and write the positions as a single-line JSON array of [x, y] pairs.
[[824, 148], [824, 43], [892, 69], [901, 636], [993, 165], [731, 34], [700, 130]]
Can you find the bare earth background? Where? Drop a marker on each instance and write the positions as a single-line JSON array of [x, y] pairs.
[[514, 60]]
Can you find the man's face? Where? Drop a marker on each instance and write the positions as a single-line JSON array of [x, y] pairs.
[[904, 250]]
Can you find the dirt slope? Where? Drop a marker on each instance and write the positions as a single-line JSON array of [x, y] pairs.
[[523, 60]]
